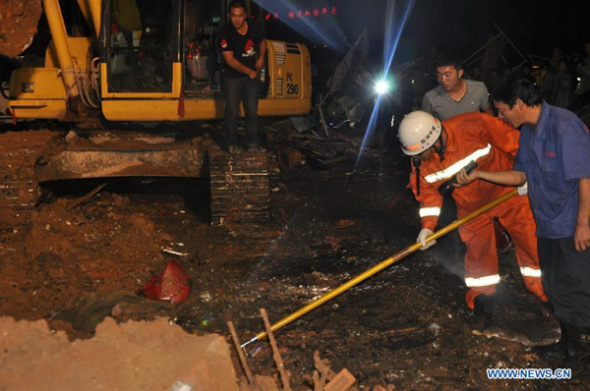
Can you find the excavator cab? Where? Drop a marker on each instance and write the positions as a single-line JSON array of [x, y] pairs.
[[143, 63], [142, 43]]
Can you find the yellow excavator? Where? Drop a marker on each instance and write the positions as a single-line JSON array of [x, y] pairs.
[[133, 62]]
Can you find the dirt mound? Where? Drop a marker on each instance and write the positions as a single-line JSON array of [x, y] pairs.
[[131, 356]]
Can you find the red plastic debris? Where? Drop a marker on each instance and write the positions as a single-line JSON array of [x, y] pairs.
[[171, 284]]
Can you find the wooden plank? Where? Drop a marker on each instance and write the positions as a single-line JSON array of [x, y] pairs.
[[343, 381]]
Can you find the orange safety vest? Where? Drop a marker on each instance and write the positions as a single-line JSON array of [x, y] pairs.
[[471, 136]]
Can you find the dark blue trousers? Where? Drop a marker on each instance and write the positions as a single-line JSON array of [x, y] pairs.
[[566, 279], [236, 90]]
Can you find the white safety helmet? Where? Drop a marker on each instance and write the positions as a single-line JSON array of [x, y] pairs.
[[418, 131]]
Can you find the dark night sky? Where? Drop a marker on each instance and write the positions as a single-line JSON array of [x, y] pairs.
[[464, 25], [530, 26]]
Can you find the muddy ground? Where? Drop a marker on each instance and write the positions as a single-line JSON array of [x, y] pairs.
[[407, 327]]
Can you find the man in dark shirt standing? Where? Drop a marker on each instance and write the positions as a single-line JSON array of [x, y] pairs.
[[243, 47]]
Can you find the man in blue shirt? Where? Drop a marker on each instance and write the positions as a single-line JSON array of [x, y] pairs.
[[554, 159]]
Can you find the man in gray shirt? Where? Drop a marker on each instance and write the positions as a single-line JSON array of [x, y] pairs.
[[454, 95]]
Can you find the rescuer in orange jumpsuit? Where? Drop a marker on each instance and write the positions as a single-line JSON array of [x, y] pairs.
[[440, 151]]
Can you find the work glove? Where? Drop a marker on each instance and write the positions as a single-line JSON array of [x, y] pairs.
[[523, 190], [424, 233]]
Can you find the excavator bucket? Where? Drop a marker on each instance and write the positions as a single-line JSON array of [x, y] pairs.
[[18, 25]]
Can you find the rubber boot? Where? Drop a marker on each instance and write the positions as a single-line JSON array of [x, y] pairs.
[[555, 351], [483, 311], [578, 350]]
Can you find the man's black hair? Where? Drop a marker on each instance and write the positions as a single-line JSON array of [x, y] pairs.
[[518, 86], [235, 4], [449, 60]]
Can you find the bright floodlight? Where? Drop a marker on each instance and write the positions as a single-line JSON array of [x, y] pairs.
[[382, 87]]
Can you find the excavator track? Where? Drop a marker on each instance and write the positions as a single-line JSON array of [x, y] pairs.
[[239, 187], [239, 183]]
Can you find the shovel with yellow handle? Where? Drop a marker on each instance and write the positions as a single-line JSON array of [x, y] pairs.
[[377, 268]]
